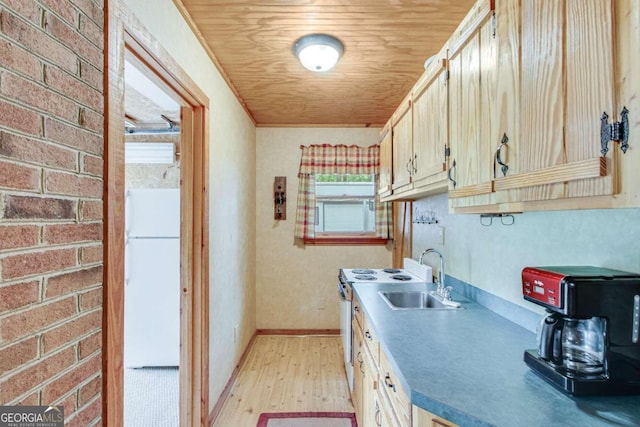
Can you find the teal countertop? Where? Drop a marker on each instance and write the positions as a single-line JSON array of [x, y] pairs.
[[467, 366]]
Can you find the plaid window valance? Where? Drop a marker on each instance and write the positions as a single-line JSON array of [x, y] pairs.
[[336, 159], [339, 159]]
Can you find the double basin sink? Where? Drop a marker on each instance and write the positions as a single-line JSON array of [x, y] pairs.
[[417, 300]]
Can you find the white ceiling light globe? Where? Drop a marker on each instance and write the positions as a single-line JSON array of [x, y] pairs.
[[318, 52], [318, 57]]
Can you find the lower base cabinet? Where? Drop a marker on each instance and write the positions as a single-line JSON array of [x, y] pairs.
[[378, 397], [422, 418], [370, 404], [384, 416]]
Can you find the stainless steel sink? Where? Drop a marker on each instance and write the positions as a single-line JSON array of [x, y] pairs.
[[417, 300]]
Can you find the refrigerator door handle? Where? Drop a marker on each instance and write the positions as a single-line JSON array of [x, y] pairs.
[[127, 216], [126, 260]]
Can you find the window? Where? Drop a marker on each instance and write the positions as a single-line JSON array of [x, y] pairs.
[[337, 196], [345, 204]]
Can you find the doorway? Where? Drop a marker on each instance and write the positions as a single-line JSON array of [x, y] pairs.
[[152, 250], [128, 39]]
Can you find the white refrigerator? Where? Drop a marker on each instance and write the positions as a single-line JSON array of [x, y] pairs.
[[152, 278]]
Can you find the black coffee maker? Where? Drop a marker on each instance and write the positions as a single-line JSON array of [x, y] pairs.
[[589, 342]]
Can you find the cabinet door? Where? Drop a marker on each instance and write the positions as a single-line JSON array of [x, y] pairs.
[[505, 149], [370, 385], [390, 382], [567, 83], [386, 151], [384, 416], [358, 371], [472, 130], [402, 148], [430, 133]]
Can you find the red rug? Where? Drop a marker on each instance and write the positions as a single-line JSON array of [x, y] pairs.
[[307, 419]]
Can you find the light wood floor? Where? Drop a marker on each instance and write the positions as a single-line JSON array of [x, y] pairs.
[[284, 373]]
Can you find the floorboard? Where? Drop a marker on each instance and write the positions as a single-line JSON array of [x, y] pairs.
[[284, 373]]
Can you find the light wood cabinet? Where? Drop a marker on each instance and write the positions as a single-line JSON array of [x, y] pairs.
[[374, 404], [386, 162], [369, 390], [371, 341], [473, 130], [529, 83], [522, 110], [358, 348], [357, 313], [430, 133], [384, 416], [378, 398], [390, 384], [567, 83], [423, 418], [420, 136], [402, 141]]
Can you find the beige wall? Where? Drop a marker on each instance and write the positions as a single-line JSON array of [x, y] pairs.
[[296, 286], [492, 258], [232, 188]]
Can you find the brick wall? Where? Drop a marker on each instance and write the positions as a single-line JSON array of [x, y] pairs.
[[51, 188]]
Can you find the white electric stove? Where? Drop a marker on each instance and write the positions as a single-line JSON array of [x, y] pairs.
[[380, 275]]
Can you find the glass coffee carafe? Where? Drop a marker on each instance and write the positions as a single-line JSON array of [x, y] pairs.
[[583, 345]]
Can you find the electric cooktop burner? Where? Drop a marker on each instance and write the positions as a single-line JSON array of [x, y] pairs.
[[392, 270], [365, 277], [401, 277], [363, 271]]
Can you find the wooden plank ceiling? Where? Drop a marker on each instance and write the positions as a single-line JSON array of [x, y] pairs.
[[386, 44]]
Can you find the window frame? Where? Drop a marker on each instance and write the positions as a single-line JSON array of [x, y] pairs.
[[348, 238]]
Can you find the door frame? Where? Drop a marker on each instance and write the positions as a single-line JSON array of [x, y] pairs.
[[125, 33]]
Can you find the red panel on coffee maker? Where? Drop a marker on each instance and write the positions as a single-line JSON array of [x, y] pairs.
[[542, 286]]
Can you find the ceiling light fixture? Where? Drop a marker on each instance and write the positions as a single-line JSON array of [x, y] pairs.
[[318, 52]]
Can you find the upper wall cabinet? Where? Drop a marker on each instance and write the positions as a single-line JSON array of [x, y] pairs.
[[526, 107], [420, 136], [535, 91], [473, 129], [386, 156], [567, 83], [430, 133], [402, 139]]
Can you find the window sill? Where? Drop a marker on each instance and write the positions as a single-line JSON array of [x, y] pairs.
[[346, 241]]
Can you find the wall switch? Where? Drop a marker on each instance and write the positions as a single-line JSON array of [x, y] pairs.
[[441, 235], [235, 334]]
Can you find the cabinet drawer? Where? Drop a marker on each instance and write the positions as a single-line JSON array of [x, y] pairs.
[[371, 341], [384, 416], [390, 383], [356, 311], [423, 418]]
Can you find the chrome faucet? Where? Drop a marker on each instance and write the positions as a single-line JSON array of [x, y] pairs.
[[440, 291]]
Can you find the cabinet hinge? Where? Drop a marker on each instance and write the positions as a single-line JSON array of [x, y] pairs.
[[447, 152], [616, 131], [493, 25]]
